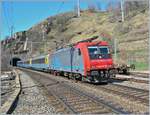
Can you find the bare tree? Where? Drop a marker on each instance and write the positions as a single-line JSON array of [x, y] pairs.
[[132, 7], [92, 7]]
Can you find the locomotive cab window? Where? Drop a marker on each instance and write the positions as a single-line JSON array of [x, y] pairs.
[[104, 50], [98, 52]]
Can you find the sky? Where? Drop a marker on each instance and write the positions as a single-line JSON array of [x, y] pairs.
[[23, 14]]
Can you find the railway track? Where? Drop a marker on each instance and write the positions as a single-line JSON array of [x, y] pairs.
[[68, 99], [141, 75], [7, 88], [139, 78], [130, 93]]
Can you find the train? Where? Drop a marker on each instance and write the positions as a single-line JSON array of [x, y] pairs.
[[85, 61]]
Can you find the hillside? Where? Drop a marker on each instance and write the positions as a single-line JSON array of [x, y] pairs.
[[67, 28]]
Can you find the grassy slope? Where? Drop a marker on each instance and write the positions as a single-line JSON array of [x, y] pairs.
[[132, 35]]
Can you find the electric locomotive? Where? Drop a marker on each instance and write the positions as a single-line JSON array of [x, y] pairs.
[[89, 61]]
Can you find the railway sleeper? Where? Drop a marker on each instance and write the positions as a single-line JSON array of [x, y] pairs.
[[56, 104], [139, 94], [75, 102], [80, 103], [126, 91], [93, 109], [86, 105], [144, 96], [71, 97], [60, 110]]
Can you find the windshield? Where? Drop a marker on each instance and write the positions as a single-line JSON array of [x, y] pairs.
[[98, 52], [103, 50]]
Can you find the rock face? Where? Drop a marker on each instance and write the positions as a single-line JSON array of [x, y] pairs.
[[67, 28], [5, 58]]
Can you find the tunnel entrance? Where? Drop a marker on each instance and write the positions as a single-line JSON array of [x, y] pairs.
[[14, 60]]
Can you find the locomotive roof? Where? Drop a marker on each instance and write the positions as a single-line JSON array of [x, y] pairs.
[[79, 44], [62, 49], [101, 43], [41, 56]]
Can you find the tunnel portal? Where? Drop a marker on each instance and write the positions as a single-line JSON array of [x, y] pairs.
[[14, 60]]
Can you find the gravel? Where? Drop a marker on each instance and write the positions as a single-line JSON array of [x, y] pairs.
[[127, 104], [7, 86], [135, 85], [32, 99]]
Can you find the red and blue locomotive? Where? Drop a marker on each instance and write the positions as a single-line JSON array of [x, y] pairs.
[[85, 60]]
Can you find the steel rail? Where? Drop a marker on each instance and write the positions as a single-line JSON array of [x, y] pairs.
[[69, 109], [131, 93], [98, 101]]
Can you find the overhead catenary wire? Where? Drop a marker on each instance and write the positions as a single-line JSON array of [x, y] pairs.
[[12, 12], [8, 16], [12, 18], [60, 7]]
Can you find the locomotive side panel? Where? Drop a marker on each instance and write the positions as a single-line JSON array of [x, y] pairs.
[[77, 62], [67, 60], [61, 60]]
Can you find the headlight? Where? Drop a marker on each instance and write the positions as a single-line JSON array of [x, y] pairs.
[[94, 73]]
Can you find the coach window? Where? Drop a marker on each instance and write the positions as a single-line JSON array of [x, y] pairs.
[[28, 62], [42, 60]]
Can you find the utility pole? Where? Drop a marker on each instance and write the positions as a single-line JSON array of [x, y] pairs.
[[11, 32], [122, 10], [78, 5], [31, 50], [45, 45], [115, 50], [25, 44]]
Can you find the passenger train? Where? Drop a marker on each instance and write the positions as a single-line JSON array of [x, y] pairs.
[[87, 61]]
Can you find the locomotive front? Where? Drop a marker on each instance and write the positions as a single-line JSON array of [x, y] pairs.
[[99, 61]]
